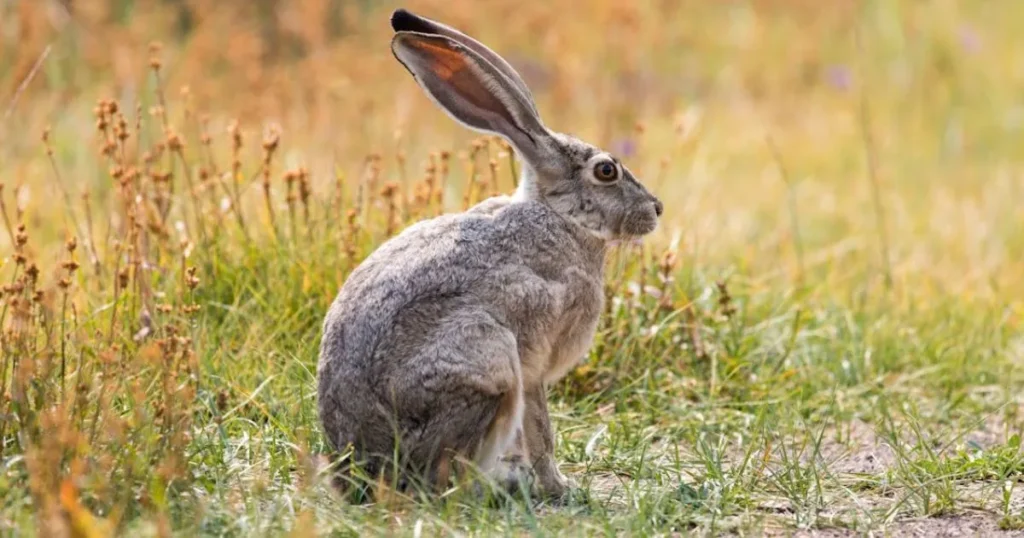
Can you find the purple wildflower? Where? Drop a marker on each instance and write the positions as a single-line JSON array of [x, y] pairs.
[[624, 147], [839, 77], [969, 39]]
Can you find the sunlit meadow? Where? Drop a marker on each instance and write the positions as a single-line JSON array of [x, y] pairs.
[[824, 336]]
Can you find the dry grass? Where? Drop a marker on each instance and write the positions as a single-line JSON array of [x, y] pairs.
[[186, 184]]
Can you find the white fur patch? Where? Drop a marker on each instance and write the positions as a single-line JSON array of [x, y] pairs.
[[501, 435]]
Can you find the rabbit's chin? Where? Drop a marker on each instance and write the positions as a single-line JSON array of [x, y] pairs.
[[612, 239], [626, 240]]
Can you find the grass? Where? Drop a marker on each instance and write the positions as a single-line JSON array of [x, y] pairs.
[[824, 336]]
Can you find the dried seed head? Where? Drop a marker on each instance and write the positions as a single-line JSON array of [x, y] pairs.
[[668, 261], [174, 142], [122, 128], [21, 237], [725, 302], [304, 188], [389, 189], [270, 141], [236, 135], [154, 55], [222, 401], [191, 279]]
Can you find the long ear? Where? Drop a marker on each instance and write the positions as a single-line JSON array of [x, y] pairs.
[[472, 90], [404, 21]]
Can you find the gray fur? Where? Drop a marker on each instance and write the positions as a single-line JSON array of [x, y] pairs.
[[443, 341]]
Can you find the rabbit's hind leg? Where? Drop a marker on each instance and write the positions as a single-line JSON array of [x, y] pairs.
[[459, 398], [501, 433]]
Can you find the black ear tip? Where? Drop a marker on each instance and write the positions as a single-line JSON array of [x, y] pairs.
[[402, 20]]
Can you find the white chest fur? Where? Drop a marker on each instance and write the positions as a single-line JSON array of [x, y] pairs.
[[578, 324]]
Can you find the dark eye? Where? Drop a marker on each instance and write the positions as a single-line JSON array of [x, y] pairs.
[[606, 171]]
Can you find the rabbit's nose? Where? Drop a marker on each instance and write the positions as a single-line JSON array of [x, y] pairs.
[[658, 207]]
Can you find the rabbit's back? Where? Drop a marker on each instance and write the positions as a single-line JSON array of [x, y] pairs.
[[510, 262]]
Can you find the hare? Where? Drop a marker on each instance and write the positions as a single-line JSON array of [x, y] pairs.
[[439, 347]]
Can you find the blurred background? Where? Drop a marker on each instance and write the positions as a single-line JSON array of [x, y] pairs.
[[853, 138], [843, 237]]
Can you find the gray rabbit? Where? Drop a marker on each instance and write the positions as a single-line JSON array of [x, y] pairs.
[[439, 348]]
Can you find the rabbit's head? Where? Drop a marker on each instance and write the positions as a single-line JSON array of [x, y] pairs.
[[480, 90]]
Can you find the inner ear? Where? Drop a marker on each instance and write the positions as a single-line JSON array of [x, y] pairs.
[[404, 21], [470, 90]]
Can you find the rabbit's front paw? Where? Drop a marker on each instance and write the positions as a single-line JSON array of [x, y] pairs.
[[512, 474], [551, 482]]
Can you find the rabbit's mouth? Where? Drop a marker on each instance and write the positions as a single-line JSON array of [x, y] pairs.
[[630, 240], [638, 224]]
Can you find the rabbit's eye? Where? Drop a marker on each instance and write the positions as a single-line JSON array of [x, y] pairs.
[[606, 171]]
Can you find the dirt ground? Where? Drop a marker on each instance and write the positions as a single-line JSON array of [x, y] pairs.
[[856, 452]]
